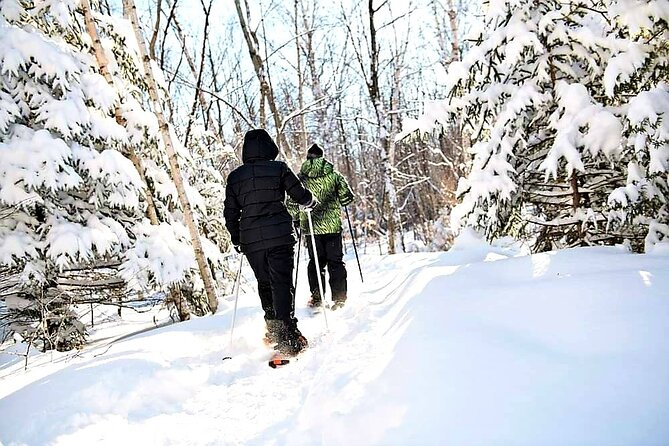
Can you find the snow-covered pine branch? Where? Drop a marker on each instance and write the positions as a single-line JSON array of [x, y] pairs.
[[72, 107], [571, 94], [75, 196]]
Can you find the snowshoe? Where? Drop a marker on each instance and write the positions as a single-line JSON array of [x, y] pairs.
[[272, 335], [292, 346], [269, 340], [278, 361], [291, 341], [315, 303], [337, 304]]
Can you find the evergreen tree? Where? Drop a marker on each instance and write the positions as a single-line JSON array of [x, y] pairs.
[[68, 194], [636, 79], [547, 95], [162, 259], [206, 153]]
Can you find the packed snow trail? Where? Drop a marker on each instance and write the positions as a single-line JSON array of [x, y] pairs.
[[472, 346]]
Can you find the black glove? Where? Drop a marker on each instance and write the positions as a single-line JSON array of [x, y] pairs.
[[309, 206]]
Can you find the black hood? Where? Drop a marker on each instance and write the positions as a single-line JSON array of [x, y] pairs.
[[258, 146], [314, 152]]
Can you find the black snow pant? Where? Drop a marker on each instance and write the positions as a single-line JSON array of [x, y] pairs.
[[273, 268], [330, 255]]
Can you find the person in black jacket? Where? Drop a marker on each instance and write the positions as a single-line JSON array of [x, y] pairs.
[[261, 228]]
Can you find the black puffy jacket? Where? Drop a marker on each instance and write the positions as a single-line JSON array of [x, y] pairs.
[[255, 213]]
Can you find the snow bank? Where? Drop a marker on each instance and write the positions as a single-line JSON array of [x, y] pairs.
[[557, 348]]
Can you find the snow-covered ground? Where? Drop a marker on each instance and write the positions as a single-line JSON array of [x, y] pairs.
[[475, 346]]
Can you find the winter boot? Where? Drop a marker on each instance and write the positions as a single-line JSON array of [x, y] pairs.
[[315, 301], [272, 334], [339, 300], [337, 304], [291, 341]]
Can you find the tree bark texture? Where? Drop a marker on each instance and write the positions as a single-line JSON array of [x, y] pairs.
[[130, 11], [102, 63], [261, 73]]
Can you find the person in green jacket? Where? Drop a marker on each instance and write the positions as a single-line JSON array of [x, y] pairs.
[[332, 191]]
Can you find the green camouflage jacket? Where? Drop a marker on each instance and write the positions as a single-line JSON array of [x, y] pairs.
[[332, 192]]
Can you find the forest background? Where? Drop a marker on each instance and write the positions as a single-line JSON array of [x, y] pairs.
[[119, 122]]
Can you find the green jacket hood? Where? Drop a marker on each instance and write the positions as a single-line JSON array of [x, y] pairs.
[[316, 167]]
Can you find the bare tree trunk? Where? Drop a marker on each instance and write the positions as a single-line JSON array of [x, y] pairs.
[[204, 103], [454, 55], [317, 89], [453, 145], [455, 41], [156, 28], [300, 89], [325, 133], [394, 129], [382, 131], [576, 203], [102, 63], [345, 149], [182, 305], [262, 75], [170, 17], [130, 11], [198, 73]]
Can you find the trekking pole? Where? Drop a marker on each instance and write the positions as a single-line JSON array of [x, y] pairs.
[[355, 250], [297, 266], [238, 283], [318, 267]]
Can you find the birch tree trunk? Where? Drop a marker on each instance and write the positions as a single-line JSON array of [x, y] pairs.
[[455, 41], [102, 63], [451, 55], [175, 295], [130, 12]]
